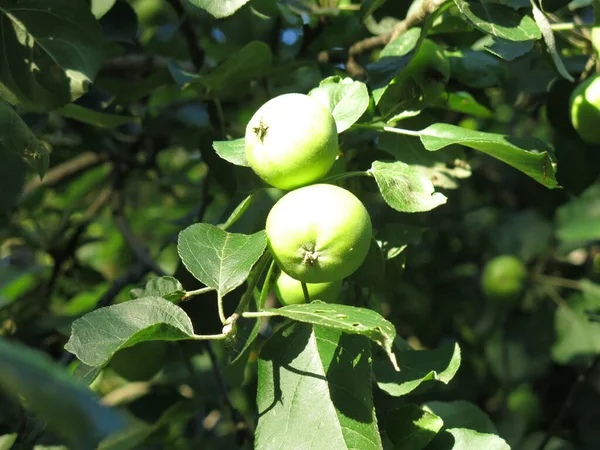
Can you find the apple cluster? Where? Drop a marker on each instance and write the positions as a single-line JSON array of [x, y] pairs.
[[318, 233]]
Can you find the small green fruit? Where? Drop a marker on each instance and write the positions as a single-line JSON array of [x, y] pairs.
[[291, 141], [585, 109], [504, 278], [289, 291], [319, 233], [140, 362]]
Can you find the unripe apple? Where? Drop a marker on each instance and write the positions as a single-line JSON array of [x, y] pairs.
[[585, 109], [319, 233], [291, 141], [504, 278], [289, 291]]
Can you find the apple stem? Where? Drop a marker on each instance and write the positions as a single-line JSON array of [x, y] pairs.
[[356, 173], [305, 291]]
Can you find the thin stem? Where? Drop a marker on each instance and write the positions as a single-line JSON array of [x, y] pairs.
[[253, 281], [220, 307], [568, 26], [209, 337], [305, 292], [258, 314], [357, 173], [402, 131], [560, 282], [204, 290]]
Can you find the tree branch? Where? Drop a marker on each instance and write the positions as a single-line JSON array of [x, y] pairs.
[[353, 67]]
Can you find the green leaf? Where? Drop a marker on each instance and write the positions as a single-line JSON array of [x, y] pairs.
[[508, 50], [577, 220], [51, 52], [443, 168], [476, 69], [219, 8], [168, 288], [464, 439], [499, 20], [544, 25], [17, 138], [251, 61], [525, 153], [577, 337], [461, 414], [404, 188], [239, 211], [7, 441], [346, 99], [465, 103], [411, 428], [368, 7], [219, 259], [314, 391], [348, 319], [98, 335], [416, 367], [101, 7], [95, 118], [233, 151], [47, 390]]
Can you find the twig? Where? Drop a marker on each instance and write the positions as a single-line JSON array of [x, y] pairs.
[[187, 30], [354, 69], [581, 378], [73, 167]]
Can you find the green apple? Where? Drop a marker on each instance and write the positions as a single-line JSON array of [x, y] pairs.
[[289, 291], [504, 278], [140, 362], [291, 141], [319, 233], [585, 109]]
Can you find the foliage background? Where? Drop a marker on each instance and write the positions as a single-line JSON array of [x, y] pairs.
[[129, 140]]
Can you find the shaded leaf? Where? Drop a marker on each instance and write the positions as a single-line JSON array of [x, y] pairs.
[[509, 50], [51, 52], [404, 188], [219, 8], [464, 102], [464, 439], [101, 7], [219, 259], [416, 367], [98, 335], [577, 220], [314, 383], [348, 319], [527, 154], [476, 69], [346, 99], [461, 414], [95, 118], [411, 428], [68, 407], [233, 151], [17, 138]]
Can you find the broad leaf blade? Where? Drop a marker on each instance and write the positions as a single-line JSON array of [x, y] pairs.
[[412, 428], [7, 441], [527, 154], [219, 8], [577, 220], [404, 188], [314, 383], [499, 20], [233, 151], [461, 414], [219, 259], [67, 406], [97, 336], [95, 118], [51, 51], [465, 439], [416, 367], [346, 99], [348, 319]]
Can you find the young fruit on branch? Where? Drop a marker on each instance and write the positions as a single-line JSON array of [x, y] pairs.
[[585, 109], [504, 278], [291, 141], [289, 291], [319, 233]]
